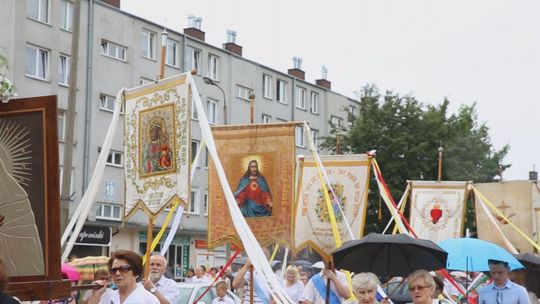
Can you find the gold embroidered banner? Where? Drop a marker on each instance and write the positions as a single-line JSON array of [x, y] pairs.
[[438, 209], [259, 162], [349, 177], [157, 144], [515, 200]]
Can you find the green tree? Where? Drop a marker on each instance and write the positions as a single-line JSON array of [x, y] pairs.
[[407, 135]]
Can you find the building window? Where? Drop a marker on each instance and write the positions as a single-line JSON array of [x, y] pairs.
[[213, 67], [267, 86], [106, 103], [211, 110], [38, 10], [281, 91], [242, 92], [301, 98], [336, 122], [194, 113], [314, 103], [108, 211], [300, 142], [63, 69], [67, 15], [113, 50], [315, 138], [114, 159], [37, 62], [266, 118], [148, 44], [61, 125], [353, 110], [195, 60], [144, 81], [206, 203], [172, 53], [193, 202], [194, 149], [206, 158], [61, 177]]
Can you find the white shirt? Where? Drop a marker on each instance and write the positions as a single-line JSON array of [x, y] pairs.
[[138, 296], [224, 300], [168, 289], [295, 291], [203, 279], [312, 295]]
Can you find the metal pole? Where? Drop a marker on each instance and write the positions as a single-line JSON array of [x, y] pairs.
[[65, 196]]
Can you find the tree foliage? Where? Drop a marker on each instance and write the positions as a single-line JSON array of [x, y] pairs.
[[407, 134]]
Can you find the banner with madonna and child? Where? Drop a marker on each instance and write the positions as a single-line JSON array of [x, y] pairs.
[[157, 145], [259, 164]]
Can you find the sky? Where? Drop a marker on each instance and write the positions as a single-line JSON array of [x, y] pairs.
[[483, 51]]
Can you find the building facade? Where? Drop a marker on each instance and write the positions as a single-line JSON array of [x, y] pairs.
[[120, 50]]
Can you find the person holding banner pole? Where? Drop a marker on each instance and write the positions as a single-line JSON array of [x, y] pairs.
[[316, 289]]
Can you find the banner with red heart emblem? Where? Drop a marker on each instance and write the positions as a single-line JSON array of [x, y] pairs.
[[438, 209]]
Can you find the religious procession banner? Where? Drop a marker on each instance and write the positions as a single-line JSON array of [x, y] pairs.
[[259, 162], [157, 144], [514, 200], [349, 178], [438, 209]]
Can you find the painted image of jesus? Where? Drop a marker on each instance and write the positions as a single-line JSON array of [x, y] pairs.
[[253, 193]]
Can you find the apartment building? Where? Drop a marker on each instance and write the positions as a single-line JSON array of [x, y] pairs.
[[120, 50]]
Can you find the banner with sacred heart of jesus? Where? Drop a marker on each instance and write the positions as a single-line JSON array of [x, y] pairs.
[[157, 144], [438, 209], [349, 178], [259, 162]]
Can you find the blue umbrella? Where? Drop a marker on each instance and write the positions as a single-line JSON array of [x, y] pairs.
[[468, 254]]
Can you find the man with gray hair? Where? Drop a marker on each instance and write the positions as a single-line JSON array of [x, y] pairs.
[[163, 288]]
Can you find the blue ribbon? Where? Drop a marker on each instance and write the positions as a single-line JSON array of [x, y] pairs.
[[321, 288]]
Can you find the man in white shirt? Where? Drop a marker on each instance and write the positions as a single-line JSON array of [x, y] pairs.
[[315, 290], [200, 276], [163, 288]]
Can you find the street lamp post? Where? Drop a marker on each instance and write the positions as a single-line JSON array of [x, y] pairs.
[[209, 81]]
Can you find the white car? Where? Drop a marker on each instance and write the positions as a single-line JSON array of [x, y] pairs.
[[189, 292]]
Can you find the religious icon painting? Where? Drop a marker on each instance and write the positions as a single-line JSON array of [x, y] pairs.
[[29, 197], [157, 145], [259, 162], [157, 155]]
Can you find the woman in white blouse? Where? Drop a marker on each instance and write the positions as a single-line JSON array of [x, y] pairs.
[[292, 284]]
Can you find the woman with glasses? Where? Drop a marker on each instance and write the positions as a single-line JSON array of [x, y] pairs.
[[421, 287], [126, 270], [364, 287]]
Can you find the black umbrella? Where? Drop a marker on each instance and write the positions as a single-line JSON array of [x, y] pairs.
[[302, 263], [528, 258], [389, 255]]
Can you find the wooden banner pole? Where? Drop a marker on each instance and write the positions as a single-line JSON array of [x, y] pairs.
[[251, 108], [149, 240]]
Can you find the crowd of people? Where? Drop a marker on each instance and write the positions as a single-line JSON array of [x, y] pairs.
[[124, 283]]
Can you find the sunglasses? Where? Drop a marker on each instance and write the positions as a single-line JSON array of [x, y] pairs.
[[122, 269], [418, 287]]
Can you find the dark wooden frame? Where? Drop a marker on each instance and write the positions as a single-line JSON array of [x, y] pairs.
[[50, 285]]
